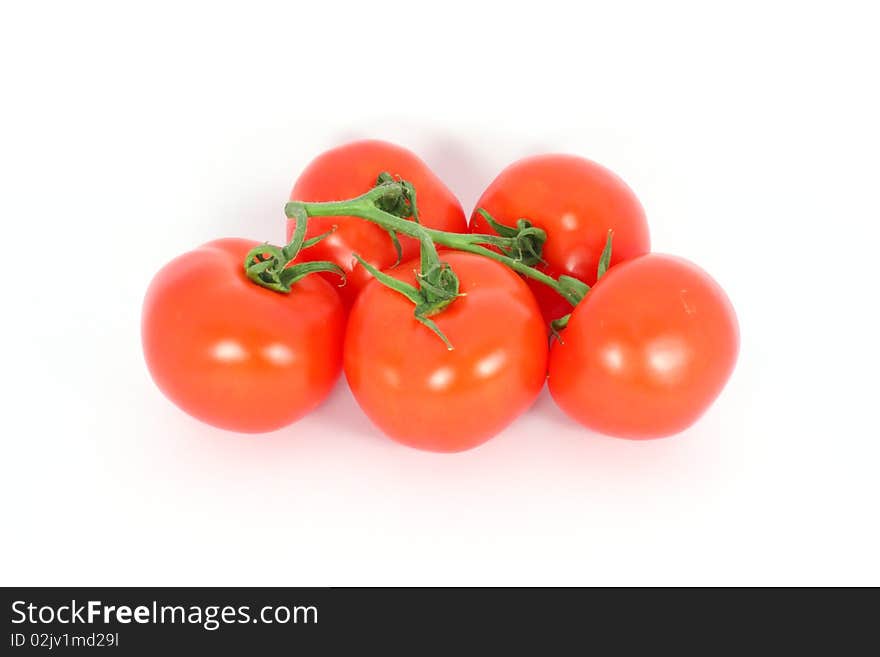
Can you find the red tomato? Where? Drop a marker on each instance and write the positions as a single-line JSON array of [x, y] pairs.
[[576, 202], [234, 354], [647, 351], [351, 170], [423, 395]]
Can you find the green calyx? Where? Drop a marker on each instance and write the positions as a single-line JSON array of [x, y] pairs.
[[398, 197], [400, 201], [270, 266], [437, 288], [523, 243]]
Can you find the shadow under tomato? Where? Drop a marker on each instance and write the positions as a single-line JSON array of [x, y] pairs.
[[343, 415]]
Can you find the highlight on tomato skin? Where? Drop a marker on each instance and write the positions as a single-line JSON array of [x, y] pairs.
[[576, 202], [647, 351], [236, 355], [350, 170], [423, 395]]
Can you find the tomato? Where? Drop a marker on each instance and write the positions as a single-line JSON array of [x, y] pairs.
[[351, 170], [647, 351], [426, 396], [576, 202], [234, 354]]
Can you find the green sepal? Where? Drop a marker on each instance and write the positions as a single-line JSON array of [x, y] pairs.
[[501, 229], [410, 194], [431, 324], [411, 292], [318, 238], [528, 243], [395, 240], [605, 258]]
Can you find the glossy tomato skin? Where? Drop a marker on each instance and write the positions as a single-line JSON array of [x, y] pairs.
[[647, 351], [351, 170], [234, 354], [425, 396], [576, 201]]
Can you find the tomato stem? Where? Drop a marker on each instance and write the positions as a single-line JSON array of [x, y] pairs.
[[524, 242]]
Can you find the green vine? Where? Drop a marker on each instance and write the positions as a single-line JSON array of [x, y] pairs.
[[392, 205]]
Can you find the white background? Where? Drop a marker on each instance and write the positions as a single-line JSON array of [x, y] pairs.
[[133, 133]]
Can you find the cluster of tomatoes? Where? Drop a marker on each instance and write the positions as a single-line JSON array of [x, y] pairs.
[[643, 355]]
